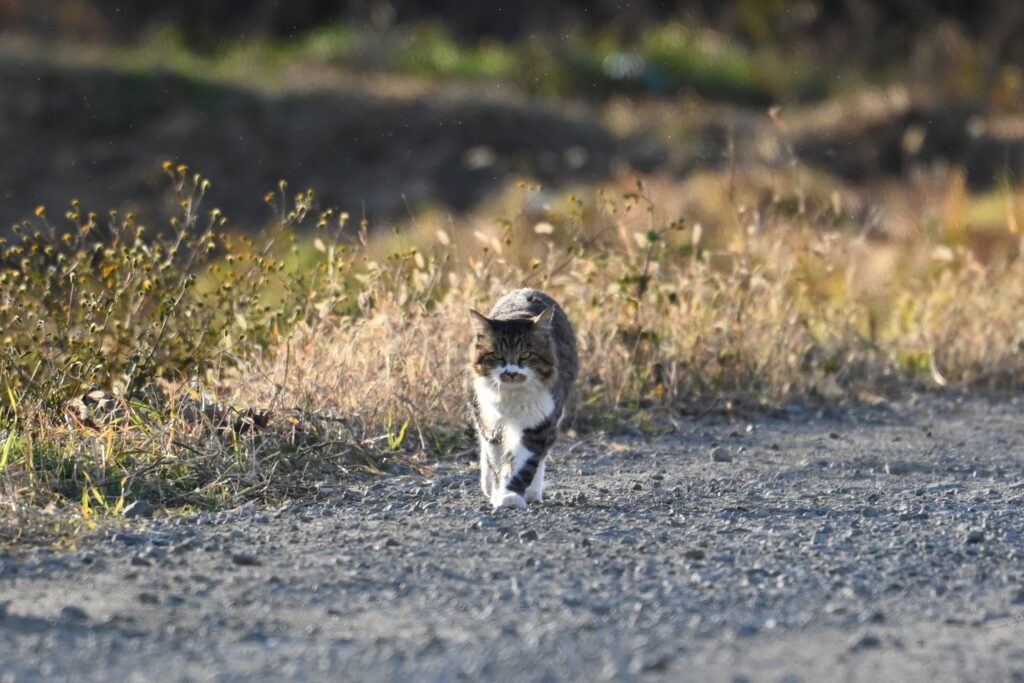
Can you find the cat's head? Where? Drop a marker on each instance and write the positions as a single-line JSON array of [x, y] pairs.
[[514, 353]]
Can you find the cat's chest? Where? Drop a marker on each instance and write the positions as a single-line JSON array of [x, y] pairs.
[[517, 409]]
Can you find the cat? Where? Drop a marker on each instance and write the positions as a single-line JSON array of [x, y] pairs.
[[523, 365]]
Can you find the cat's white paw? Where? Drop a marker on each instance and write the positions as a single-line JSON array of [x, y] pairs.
[[508, 499], [535, 495]]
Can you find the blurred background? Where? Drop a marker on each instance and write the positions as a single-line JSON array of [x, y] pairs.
[[748, 204], [391, 109]]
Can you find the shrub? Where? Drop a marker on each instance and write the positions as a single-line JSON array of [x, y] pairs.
[[217, 368]]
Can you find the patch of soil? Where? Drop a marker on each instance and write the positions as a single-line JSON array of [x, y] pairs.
[[886, 540], [100, 136]]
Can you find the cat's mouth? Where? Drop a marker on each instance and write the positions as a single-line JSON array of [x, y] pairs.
[[512, 377]]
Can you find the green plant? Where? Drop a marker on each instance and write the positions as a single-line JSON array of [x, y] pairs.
[[257, 368], [115, 304]]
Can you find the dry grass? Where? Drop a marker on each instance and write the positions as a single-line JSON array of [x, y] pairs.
[[773, 296], [789, 306]]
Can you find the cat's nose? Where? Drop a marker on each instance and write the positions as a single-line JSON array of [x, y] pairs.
[[514, 377]]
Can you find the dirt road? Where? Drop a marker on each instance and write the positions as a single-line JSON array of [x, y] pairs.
[[882, 545]]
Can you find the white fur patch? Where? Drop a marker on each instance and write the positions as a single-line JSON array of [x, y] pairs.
[[517, 406], [488, 454], [520, 454], [507, 499], [521, 405], [535, 491]]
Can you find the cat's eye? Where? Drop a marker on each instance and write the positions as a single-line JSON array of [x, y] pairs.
[[494, 357], [526, 356]]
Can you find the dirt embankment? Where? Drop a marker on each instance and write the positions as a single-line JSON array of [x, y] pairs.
[[99, 135]]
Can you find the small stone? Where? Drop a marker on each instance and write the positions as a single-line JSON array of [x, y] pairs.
[[638, 486], [139, 561], [865, 642], [528, 535], [244, 560], [72, 613], [694, 554], [183, 547], [876, 617], [130, 539], [747, 630], [139, 508], [657, 664], [897, 467], [719, 454], [976, 536], [386, 543], [149, 599]]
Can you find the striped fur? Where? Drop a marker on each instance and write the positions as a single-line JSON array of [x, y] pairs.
[[523, 365]]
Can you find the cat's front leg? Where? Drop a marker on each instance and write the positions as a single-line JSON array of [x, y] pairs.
[[489, 454], [502, 496], [535, 491], [517, 474], [528, 473], [485, 475]]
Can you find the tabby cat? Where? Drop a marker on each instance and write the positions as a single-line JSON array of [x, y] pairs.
[[524, 363]]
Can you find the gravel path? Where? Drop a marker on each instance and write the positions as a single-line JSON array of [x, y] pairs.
[[883, 545]]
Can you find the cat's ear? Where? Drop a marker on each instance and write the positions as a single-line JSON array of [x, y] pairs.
[[480, 324], [543, 321]]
